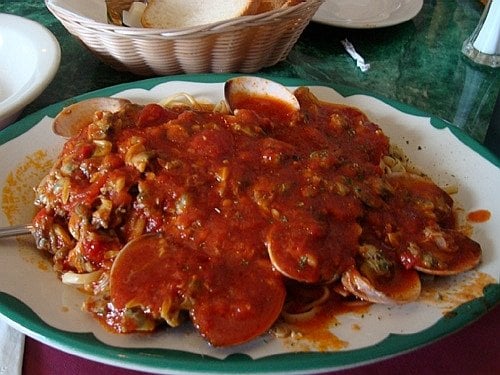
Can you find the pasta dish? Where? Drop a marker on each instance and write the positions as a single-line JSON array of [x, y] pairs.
[[235, 220]]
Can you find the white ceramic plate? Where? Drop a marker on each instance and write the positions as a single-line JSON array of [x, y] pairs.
[[29, 59], [34, 301], [367, 14]]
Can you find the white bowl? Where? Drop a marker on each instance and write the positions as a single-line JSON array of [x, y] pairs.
[[29, 59]]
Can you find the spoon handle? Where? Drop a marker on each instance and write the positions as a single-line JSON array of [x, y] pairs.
[[15, 230]]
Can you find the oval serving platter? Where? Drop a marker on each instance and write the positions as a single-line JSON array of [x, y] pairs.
[[34, 301]]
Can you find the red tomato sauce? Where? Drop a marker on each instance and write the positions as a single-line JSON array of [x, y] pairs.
[[479, 216], [241, 202]]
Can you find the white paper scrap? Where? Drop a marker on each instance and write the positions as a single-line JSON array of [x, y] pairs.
[[11, 350], [360, 61]]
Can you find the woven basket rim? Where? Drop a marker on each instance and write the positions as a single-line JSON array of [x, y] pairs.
[[244, 44], [221, 26]]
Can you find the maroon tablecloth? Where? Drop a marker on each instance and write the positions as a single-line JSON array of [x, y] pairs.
[[474, 349]]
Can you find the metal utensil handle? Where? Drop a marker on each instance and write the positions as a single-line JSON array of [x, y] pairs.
[[15, 230]]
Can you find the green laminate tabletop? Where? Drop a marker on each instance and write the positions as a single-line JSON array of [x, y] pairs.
[[417, 62]]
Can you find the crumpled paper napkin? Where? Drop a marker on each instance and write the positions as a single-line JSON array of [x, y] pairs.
[[360, 61], [11, 350]]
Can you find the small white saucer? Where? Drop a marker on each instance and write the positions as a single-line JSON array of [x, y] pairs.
[[367, 14]]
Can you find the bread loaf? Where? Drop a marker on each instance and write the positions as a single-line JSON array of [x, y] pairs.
[[172, 14], [268, 5]]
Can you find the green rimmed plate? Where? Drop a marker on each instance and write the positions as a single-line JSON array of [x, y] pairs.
[[33, 300]]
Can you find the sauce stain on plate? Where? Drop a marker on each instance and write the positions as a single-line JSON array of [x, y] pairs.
[[479, 216], [18, 193], [17, 202], [450, 292]]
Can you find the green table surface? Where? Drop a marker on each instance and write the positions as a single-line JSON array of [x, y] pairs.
[[418, 62]]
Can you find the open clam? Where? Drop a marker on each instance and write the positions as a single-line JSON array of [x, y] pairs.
[[76, 116], [446, 252], [310, 251], [239, 90], [379, 279], [425, 233], [162, 276]]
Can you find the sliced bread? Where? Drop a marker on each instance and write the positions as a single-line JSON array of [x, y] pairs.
[[268, 5], [172, 14]]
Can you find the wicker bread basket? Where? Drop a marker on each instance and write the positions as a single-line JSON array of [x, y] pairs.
[[244, 44]]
